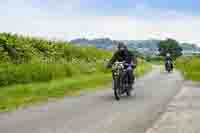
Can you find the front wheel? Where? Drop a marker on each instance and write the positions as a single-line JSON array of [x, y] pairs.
[[117, 94], [168, 69], [117, 88]]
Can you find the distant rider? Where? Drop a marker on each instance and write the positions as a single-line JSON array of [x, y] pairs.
[[168, 58]]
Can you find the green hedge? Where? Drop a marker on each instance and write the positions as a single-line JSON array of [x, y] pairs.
[[19, 49], [31, 59]]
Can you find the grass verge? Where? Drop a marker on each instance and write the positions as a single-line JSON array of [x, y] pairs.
[[15, 96], [190, 67], [143, 68]]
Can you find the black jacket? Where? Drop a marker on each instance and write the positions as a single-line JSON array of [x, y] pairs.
[[126, 56], [168, 58]]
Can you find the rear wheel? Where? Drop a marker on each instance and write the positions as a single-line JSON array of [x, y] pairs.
[[128, 93], [129, 90]]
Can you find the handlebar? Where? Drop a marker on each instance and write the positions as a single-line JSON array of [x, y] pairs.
[[127, 64]]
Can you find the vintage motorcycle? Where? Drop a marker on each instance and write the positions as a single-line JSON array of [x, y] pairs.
[[120, 79], [168, 66]]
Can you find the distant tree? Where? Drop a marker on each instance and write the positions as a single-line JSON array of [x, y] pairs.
[[137, 53], [170, 46]]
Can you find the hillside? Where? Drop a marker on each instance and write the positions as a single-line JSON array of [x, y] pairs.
[[104, 43], [143, 46]]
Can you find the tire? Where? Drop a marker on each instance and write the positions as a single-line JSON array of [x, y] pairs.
[[129, 90], [117, 92], [169, 70]]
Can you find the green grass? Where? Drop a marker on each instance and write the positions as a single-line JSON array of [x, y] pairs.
[[12, 97], [143, 67], [28, 73], [26, 59], [157, 60], [161, 62], [190, 67], [20, 95]]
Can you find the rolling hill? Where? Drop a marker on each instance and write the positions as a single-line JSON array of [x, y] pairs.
[[143, 46]]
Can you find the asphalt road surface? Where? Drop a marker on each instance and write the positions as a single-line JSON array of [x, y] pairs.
[[99, 112]]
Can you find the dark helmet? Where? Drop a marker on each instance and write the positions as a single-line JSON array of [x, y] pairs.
[[121, 46], [168, 55]]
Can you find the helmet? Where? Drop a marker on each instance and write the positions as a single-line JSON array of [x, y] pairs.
[[121, 46], [168, 55]]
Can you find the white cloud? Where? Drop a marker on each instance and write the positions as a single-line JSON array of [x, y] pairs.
[[23, 18]]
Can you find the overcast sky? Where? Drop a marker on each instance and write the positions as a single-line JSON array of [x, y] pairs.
[[117, 19]]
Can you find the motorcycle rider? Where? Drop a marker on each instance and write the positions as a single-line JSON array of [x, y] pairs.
[[168, 58], [123, 54]]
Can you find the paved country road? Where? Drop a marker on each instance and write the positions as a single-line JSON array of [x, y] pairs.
[[98, 112]]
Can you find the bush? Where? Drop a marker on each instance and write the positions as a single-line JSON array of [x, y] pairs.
[[18, 49], [190, 67], [27, 59], [27, 73]]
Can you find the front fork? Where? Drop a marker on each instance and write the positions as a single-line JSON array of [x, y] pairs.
[[125, 85]]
